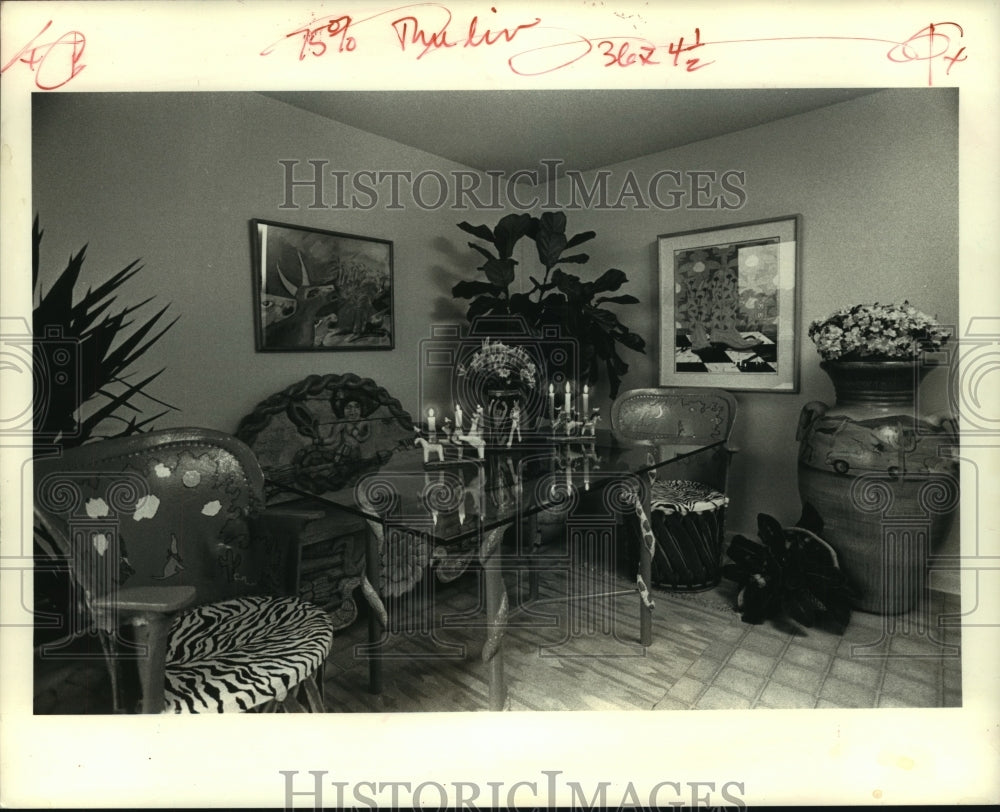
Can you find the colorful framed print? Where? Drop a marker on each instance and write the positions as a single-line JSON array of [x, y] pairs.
[[320, 290], [729, 306]]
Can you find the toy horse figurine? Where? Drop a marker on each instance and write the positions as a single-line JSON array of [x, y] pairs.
[[475, 435], [437, 448]]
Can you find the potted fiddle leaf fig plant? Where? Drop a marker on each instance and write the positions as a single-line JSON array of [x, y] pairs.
[[558, 299]]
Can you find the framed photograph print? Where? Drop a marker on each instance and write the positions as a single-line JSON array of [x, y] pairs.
[[729, 306], [320, 290]]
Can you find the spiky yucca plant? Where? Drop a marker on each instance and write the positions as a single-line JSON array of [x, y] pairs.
[[83, 352]]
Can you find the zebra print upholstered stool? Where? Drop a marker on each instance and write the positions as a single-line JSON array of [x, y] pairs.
[[687, 515], [182, 574], [688, 520]]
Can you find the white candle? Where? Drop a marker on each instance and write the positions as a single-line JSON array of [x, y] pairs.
[[586, 402], [552, 403], [567, 405], [458, 418], [431, 426]]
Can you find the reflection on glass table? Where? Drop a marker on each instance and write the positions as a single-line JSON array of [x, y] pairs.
[[423, 508]]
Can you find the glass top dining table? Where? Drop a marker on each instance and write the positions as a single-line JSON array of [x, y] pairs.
[[448, 501]]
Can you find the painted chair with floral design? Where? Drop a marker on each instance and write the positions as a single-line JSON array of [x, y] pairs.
[[688, 511], [182, 573]]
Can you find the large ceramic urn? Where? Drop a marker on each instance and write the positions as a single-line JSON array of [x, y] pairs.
[[882, 478]]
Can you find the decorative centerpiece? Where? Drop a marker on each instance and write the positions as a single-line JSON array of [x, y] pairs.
[[505, 378], [870, 464]]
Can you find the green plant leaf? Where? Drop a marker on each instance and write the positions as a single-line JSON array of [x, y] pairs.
[[624, 299], [579, 239], [550, 238], [95, 331], [108, 409], [130, 349], [508, 231], [500, 272], [611, 279], [800, 606], [470, 288], [483, 232], [569, 284], [109, 286], [484, 305], [482, 251], [575, 259], [810, 520], [772, 535], [632, 340]]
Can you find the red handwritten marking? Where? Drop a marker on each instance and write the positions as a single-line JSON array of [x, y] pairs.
[[621, 52], [900, 52], [623, 56], [410, 30], [40, 58], [420, 36], [930, 44], [675, 49], [908, 52]]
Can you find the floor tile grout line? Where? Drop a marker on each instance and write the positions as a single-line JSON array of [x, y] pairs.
[[824, 678], [774, 665]]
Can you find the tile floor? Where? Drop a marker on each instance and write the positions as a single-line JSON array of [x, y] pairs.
[[566, 654], [703, 657]]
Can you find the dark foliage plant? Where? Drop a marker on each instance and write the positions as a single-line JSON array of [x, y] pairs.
[[83, 353], [559, 299], [791, 573]]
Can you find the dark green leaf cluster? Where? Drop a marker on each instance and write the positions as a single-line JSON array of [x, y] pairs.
[[558, 299], [105, 345], [791, 573]]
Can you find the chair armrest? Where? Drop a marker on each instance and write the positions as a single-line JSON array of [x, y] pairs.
[[145, 600], [149, 610]]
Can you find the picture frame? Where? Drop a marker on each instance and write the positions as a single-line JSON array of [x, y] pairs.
[[729, 306], [318, 290]]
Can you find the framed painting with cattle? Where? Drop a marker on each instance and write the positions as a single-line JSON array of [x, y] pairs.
[[320, 290]]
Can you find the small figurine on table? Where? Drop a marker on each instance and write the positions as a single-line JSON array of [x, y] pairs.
[[560, 422], [589, 428], [430, 447], [515, 423], [475, 434]]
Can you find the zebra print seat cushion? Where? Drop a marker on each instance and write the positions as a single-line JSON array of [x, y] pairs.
[[685, 496], [237, 654]]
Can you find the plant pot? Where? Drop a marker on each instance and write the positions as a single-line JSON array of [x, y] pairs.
[[872, 467]]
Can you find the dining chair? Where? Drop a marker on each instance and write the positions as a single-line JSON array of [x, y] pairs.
[[688, 511], [182, 573]]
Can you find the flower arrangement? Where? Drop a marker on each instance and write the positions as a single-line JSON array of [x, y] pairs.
[[876, 332]]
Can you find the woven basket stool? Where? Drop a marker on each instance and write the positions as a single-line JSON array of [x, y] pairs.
[[688, 520]]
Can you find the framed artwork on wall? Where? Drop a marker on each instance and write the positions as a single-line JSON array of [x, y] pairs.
[[318, 290], [729, 306]]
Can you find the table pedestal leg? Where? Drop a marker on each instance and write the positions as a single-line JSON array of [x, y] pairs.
[[491, 558], [647, 543], [376, 620]]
